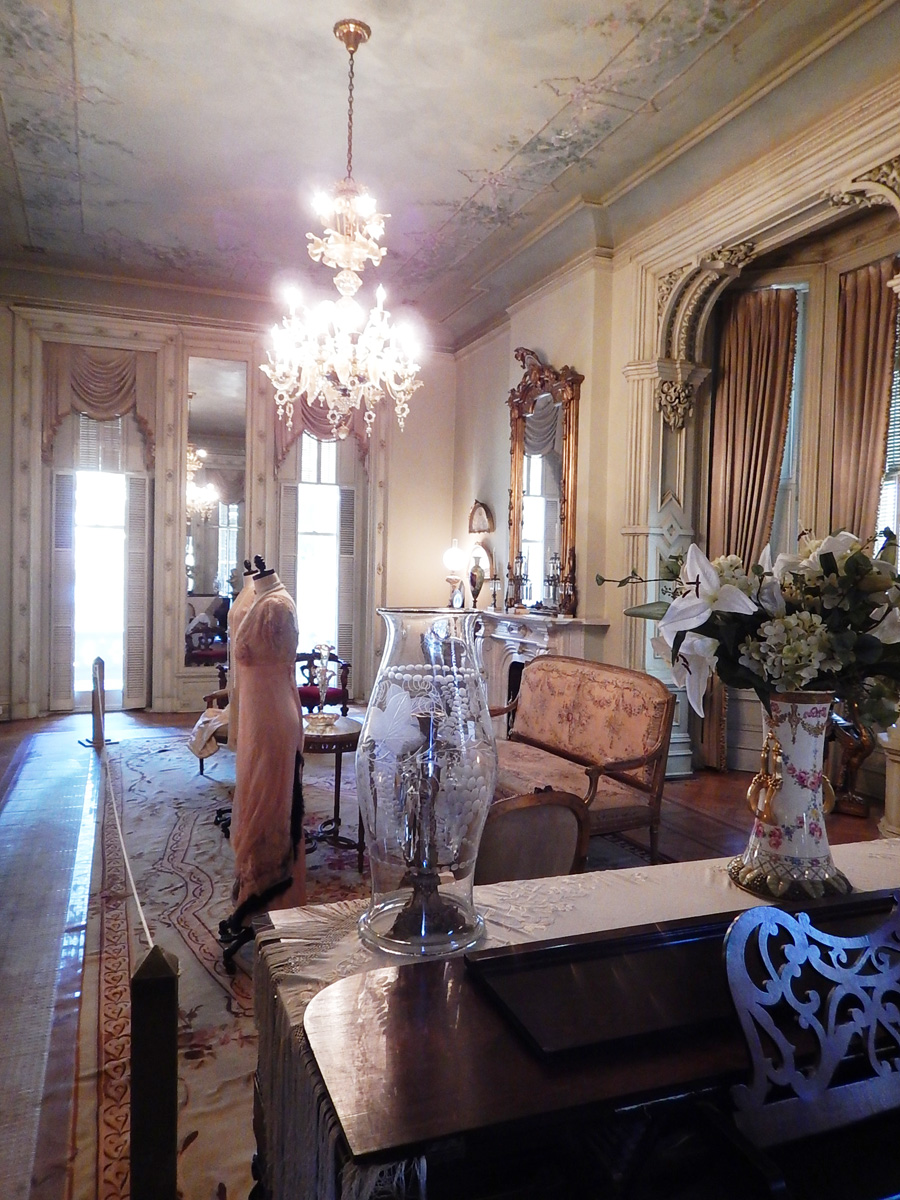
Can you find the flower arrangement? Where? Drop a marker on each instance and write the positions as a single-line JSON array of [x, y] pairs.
[[824, 619]]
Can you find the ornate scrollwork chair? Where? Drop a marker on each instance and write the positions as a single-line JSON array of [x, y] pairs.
[[819, 1117]]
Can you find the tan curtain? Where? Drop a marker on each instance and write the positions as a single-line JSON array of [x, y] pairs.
[[867, 325], [752, 404], [101, 383], [313, 419], [753, 396]]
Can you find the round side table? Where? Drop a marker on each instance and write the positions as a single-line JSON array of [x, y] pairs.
[[342, 736]]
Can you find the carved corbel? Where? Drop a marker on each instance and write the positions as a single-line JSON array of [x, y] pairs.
[[880, 185], [676, 390], [675, 401]]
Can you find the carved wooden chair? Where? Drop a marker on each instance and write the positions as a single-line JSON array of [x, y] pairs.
[[338, 690], [532, 836]]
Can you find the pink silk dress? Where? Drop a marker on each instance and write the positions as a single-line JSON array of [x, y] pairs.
[[239, 609], [270, 735]]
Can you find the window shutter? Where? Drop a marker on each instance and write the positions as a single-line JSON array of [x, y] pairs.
[[62, 594], [346, 571], [137, 590], [287, 547]]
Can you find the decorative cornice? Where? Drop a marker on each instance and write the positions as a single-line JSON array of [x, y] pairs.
[[880, 185], [675, 401], [730, 256]]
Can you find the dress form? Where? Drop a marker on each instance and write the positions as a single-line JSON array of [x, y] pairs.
[[239, 609], [268, 844]]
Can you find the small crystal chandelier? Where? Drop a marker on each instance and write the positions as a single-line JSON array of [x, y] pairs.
[[201, 500], [334, 353]]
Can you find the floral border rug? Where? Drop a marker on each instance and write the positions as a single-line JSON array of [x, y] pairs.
[[183, 870]]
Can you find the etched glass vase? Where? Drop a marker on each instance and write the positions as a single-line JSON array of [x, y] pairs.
[[788, 856], [426, 766]]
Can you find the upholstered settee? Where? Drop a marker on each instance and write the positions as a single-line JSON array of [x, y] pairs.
[[599, 731]]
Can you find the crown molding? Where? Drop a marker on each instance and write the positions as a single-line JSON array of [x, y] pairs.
[[784, 192]]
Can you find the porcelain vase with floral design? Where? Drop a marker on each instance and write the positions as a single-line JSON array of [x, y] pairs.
[[426, 766], [788, 856]]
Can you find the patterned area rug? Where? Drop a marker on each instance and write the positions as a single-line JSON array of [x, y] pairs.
[[183, 870]]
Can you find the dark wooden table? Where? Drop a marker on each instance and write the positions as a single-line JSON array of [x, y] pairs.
[[336, 739], [418, 1053]]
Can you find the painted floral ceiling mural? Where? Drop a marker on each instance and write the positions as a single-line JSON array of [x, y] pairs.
[[180, 141]]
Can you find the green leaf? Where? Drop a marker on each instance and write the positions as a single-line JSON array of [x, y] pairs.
[[654, 611], [600, 580], [828, 564]]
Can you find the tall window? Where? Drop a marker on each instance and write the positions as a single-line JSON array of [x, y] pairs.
[[318, 543], [229, 531], [99, 618], [889, 503]]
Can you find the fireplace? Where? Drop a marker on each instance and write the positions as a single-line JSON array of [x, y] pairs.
[[509, 640]]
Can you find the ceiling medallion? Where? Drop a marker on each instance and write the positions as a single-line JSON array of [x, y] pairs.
[[335, 354]]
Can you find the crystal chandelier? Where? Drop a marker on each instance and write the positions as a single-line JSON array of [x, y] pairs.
[[335, 353], [201, 499]]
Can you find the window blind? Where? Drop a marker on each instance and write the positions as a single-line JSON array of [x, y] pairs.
[[892, 463]]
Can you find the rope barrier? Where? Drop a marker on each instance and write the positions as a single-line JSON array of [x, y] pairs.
[[111, 799]]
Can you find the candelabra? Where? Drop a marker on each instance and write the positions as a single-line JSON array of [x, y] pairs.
[[518, 585]]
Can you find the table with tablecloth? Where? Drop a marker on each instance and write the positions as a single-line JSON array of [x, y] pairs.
[[306, 949]]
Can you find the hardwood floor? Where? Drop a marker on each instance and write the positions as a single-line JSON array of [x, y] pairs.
[[706, 816]]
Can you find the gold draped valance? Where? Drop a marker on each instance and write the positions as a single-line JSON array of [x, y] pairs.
[[103, 384], [313, 419]]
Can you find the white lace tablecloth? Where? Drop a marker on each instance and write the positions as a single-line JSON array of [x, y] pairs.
[[311, 947]]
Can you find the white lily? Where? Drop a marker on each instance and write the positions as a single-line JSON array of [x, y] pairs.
[[888, 628], [841, 545], [705, 594], [692, 665], [768, 594]]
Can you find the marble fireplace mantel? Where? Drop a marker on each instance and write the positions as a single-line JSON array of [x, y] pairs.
[[518, 637]]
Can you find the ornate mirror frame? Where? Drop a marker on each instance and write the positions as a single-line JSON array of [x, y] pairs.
[[564, 387]]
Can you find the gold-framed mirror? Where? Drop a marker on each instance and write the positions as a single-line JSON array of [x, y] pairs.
[[543, 411]]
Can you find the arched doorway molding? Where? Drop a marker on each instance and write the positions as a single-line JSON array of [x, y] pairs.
[[668, 418], [673, 273]]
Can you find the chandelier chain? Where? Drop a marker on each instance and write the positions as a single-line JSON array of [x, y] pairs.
[[350, 120]]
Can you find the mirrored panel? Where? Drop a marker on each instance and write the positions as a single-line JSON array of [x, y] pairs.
[[215, 504], [544, 452]]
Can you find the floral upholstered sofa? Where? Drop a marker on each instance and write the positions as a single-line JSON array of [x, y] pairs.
[[599, 731]]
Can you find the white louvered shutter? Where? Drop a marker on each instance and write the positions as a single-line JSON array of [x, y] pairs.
[[346, 571], [137, 591], [62, 594], [287, 541]]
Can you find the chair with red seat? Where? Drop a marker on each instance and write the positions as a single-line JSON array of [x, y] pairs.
[[337, 692]]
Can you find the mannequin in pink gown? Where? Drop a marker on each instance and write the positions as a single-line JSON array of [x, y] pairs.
[[239, 609], [266, 825]]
